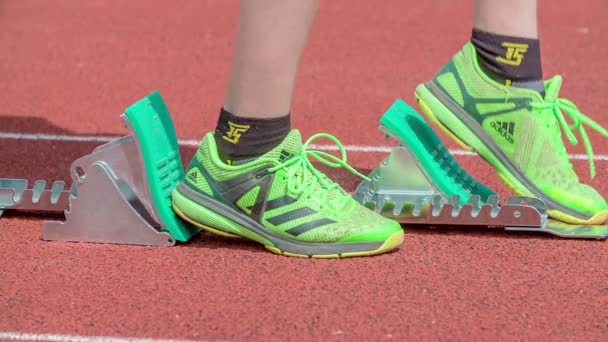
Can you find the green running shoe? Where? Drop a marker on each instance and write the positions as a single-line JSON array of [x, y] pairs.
[[281, 201], [518, 132]]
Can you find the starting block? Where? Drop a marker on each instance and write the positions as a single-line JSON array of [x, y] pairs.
[[420, 182], [120, 192]]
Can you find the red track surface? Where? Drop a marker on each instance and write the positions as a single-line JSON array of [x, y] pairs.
[[69, 67]]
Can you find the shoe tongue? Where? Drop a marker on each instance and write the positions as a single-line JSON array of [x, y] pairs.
[[552, 88], [290, 146]]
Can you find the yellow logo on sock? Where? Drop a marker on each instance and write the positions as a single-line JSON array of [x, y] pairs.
[[235, 132], [515, 53]]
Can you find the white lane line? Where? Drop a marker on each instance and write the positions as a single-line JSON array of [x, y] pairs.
[[55, 137], [17, 336], [194, 143]]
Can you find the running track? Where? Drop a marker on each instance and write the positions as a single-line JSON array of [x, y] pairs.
[[68, 68]]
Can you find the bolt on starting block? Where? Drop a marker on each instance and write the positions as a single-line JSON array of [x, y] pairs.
[[420, 182], [120, 192]]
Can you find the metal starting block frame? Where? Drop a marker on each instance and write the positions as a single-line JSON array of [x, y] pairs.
[[408, 196], [121, 192], [420, 182]]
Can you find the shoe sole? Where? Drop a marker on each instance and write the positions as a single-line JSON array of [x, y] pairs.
[[451, 118], [220, 219]]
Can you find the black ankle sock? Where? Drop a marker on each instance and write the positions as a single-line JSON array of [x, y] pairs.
[[512, 61], [240, 138]]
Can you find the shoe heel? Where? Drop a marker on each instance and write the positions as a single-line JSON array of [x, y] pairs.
[[213, 230]]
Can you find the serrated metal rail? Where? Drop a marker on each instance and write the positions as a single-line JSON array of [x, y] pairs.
[[515, 212], [15, 194]]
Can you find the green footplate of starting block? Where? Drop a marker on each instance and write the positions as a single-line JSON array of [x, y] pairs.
[[405, 124], [149, 118]]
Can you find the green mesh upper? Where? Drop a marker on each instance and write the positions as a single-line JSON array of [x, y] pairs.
[[448, 81], [537, 147], [352, 222], [246, 202], [194, 177]]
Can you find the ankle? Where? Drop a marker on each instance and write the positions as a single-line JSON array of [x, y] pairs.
[[512, 61], [239, 138]]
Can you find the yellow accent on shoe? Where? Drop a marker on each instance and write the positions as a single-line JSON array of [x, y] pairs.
[[207, 228], [429, 114], [393, 242]]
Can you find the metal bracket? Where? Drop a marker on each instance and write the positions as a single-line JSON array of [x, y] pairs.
[[120, 192], [400, 189], [109, 203]]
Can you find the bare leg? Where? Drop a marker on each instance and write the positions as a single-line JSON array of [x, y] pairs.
[[516, 18], [255, 116], [270, 40]]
